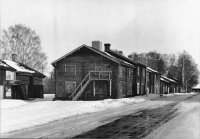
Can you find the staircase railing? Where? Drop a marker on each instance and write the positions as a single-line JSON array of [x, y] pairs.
[[80, 86], [100, 75], [92, 75]]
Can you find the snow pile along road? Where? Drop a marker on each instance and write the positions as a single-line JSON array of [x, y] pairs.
[[174, 94], [21, 114]]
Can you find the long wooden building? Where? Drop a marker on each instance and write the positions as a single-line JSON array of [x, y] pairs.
[[88, 73]]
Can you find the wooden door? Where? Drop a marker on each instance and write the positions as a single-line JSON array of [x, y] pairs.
[[121, 89], [70, 86]]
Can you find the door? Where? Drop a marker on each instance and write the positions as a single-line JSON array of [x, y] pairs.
[[70, 86], [120, 89]]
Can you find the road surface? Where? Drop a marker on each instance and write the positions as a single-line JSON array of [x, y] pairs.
[[162, 118]]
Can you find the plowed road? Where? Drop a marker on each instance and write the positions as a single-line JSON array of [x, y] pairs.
[[167, 117]]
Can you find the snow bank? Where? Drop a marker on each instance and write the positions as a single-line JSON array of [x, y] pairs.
[[174, 94], [20, 114]]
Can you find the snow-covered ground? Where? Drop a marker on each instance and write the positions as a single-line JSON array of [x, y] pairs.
[[184, 126], [20, 114], [174, 94]]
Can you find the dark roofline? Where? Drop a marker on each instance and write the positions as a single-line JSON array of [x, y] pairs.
[[124, 58], [9, 67], [97, 51], [118, 61], [37, 74], [169, 79], [152, 70]]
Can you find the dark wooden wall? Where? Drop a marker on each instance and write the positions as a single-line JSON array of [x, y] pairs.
[[2, 76], [141, 80], [85, 61]]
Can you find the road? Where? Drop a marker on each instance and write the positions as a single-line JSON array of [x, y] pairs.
[[151, 119]]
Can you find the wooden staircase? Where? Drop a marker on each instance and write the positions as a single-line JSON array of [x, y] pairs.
[[92, 75]]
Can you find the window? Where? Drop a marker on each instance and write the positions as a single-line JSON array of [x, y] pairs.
[[70, 69], [130, 73], [97, 68], [120, 71], [143, 72], [70, 86], [138, 71], [10, 75], [138, 88]]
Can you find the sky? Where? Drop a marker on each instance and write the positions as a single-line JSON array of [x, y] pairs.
[[167, 26]]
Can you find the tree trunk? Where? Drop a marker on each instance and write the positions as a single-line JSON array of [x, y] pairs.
[[186, 87]]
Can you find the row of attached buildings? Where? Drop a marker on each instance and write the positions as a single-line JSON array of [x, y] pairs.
[[89, 73], [86, 73]]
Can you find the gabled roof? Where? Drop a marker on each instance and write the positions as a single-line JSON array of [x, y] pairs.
[[111, 52], [22, 69], [6, 67], [152, 70], [168, 79], [196, 87], [162, 79], [106, 55]]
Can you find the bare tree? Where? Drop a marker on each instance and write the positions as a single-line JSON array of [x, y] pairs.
[[151, 59], [188, 71], [24, 42]]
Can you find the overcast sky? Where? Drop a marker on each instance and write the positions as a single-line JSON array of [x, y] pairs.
[[167, 26]]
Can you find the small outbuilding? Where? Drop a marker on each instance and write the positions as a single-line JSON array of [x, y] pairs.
[[19, 81], [196, 88]]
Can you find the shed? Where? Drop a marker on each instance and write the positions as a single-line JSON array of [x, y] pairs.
[[19, 81], [196, 88]]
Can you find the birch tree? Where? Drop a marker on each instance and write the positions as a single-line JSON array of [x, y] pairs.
[[24, 42], [188, 71]]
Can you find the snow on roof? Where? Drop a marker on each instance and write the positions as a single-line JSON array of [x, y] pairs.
[[164, 80], [171, 80], [2, 64], [17, 66], [117, 58], [196, 87], [150, 69]]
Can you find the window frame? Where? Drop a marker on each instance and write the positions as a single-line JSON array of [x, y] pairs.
[[10, 75], [71, 82], [120, 71], [70, 65]]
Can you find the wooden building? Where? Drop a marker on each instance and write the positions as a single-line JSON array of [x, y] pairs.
[[153, 81], [196, 88], [19, 81], [169, 85], [88, 73], [139, 84]]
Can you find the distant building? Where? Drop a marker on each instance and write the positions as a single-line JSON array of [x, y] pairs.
[[196, 88], [169, 85]]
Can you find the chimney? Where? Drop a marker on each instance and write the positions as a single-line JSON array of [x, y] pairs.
[[97, 45], [120, 52], [107, 46], [14, 57]]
